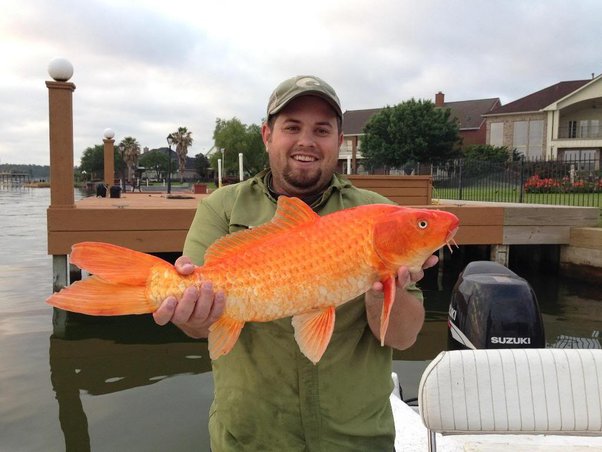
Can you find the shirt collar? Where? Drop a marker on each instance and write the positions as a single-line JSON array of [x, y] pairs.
[[263, 179]]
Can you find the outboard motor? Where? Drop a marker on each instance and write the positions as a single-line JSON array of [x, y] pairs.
[[492, 307]]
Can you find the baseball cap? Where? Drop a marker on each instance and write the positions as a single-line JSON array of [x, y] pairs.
[[303, 85]]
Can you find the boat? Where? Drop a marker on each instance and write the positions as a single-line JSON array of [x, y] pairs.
[[498, 386]]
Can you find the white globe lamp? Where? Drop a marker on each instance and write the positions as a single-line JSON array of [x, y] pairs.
[[60, 69], [109, 133]]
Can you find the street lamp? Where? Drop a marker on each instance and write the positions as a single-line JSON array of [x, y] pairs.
[[169, 143]]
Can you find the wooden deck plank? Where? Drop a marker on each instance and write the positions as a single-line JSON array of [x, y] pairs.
[[474, 214], [156, 241], [117, 219], [586, 238], [406, 192], [408, 201], [550, 215], [536, 234], [390, 181]]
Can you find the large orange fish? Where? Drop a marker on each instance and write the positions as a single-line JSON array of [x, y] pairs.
[[299, 264]]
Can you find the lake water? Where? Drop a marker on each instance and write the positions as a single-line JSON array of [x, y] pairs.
[[127, 385]]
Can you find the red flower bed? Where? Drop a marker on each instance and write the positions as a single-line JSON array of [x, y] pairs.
[[536, 184]]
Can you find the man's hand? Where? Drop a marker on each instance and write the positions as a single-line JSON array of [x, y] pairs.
[[197, 310], [405, 277]]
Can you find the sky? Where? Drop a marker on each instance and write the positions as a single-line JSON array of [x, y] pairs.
[[146, 67]]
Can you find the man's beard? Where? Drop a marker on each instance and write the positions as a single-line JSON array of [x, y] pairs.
[[303, 179]]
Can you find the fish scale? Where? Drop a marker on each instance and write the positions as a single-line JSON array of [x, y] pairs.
[[325, 263]]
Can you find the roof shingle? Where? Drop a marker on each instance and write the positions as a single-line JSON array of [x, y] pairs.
[[541, 99]]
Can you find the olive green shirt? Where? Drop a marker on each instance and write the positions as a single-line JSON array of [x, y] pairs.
[[268, 395]]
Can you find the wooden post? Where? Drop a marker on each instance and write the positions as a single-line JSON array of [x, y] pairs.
[[60, 102], [62, 193], [109, 162], [500, 254]]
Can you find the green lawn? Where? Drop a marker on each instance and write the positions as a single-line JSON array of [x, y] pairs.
[[513, 195]]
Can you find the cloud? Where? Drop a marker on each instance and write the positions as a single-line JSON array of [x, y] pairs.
[[145, 67]]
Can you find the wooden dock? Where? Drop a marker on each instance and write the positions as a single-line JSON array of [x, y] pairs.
[[14, 179], [156, 223]]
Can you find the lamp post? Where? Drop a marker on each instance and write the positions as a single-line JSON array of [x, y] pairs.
[[121, 149], [169, 143], [109, 158]]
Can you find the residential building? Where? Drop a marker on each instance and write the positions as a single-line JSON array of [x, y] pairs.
[[469, 114], [561, 121]]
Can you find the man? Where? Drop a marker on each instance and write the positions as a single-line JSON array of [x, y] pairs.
[[268, 396]]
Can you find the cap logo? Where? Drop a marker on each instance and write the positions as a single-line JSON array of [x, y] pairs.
[[306, 82]]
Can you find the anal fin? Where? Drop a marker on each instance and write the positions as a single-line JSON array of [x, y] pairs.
[[223, 335], [313, 331]]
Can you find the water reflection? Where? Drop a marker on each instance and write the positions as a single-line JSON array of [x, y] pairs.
[[102, 356]]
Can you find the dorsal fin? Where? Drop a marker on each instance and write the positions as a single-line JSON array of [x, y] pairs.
[[290, 213]]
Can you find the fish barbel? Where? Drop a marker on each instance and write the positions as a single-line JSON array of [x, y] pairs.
[[299, 264]]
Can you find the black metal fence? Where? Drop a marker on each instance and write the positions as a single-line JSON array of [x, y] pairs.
[[562, 182]]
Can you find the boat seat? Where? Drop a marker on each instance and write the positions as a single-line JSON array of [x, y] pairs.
[[514, 391]]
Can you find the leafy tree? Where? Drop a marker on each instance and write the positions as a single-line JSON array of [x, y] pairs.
[[255, 156], [155, 160], [92, 161], [182, 138], [410, 131], [233, 137], [230, 137], [202, 165]]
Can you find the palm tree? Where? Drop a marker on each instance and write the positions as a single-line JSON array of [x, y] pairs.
[[182, 138], [130, 149]]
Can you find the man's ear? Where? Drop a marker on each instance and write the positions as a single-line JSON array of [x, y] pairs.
[[266, 134]]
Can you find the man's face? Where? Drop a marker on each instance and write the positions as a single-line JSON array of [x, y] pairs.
[[303, 146]]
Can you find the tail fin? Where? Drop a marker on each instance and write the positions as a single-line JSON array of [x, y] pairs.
[[114, 263], [95, 296], [118, 284]]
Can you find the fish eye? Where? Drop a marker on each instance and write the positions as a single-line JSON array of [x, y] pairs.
[[422, 224]]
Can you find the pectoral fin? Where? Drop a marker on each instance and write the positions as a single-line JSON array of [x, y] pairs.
[[313, 331], [223, 334], [389, 289]]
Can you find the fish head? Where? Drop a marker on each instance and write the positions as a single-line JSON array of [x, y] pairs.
[[407, 237]]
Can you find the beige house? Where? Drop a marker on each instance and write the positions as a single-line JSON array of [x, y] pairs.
[[561, 121]]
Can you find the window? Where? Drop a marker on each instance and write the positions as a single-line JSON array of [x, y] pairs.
[[535, 145], [528, 137], [583, 128], [594, 125], [496, 134], [572, 129], [520, 137]]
